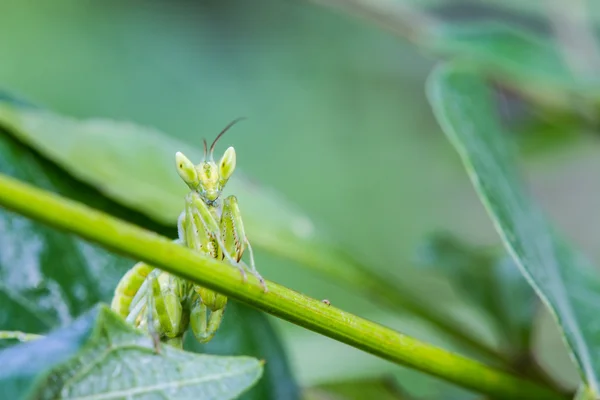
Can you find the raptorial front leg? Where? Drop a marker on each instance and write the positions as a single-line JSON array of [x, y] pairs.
[[128, 288], [198, 213], [205, 324], [253, 269], [234, 235], [164, 312], [132, 287], [167, 304], [152, 327]]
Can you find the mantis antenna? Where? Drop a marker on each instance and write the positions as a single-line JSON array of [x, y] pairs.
[[212, 146], [205, 148]]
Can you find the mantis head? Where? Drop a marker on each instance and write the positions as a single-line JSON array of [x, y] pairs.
[[208, 178]]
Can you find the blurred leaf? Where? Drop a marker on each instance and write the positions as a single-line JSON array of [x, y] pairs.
[[257, 339], [122, 159], [341, 364], [47, 278], [100, 356], [532, 57], [550, 352], [554, 133], [406, 384], [528, 62], [426, 387], [562, 277], [356, 390], [494, 284], [212, 61], [100, 153]]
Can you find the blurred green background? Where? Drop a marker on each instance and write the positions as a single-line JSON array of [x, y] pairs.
[[338, 123]]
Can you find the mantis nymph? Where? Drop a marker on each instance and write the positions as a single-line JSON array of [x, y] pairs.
[[164, 304]]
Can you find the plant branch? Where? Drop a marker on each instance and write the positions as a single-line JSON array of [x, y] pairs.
[[138, 243], [383, 291]]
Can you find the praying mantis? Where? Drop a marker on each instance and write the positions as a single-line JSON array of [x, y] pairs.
[[166, 305]]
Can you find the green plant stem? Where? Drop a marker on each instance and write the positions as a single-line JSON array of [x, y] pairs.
[[385, 292], [135, 242]]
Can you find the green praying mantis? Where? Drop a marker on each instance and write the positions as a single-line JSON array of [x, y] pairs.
[[166, 305]]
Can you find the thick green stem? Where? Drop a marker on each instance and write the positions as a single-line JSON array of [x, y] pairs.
[[312, 314], [385, 292]]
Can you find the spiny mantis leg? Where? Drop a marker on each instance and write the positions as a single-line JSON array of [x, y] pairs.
[[167, 304], [205, 326], [203, 234], [138, 305], [234, 235], [128, 288], [198, 215], [131, 289], [150, 316], [162, 308]]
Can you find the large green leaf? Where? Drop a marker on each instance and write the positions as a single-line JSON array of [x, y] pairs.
[[356, 390], [100, 356], [562, 277], [492, 283], [531, 62], [134, 166], [47, 278], [257, 339], [529, 54], [305, 136]]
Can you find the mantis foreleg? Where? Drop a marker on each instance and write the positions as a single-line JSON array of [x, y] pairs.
[[234, 235], [201, 218], [128, 287], [205, 325]]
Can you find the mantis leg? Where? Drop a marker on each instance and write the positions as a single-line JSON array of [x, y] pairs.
[[205, 325], [167, 320], [201, 218], [167, 304], [131, 289], [128, 287], [234, 235], [153, 329]]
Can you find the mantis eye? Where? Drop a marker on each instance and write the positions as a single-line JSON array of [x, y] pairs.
[[227, 164], [186, 170]]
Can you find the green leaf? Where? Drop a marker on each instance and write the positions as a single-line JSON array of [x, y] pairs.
[[380, 389], [189, 79], [99, 356], [257, 339], [527, 59], [425, 387], [99, 152], [48, 278], [492, 283], [563, 278]]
